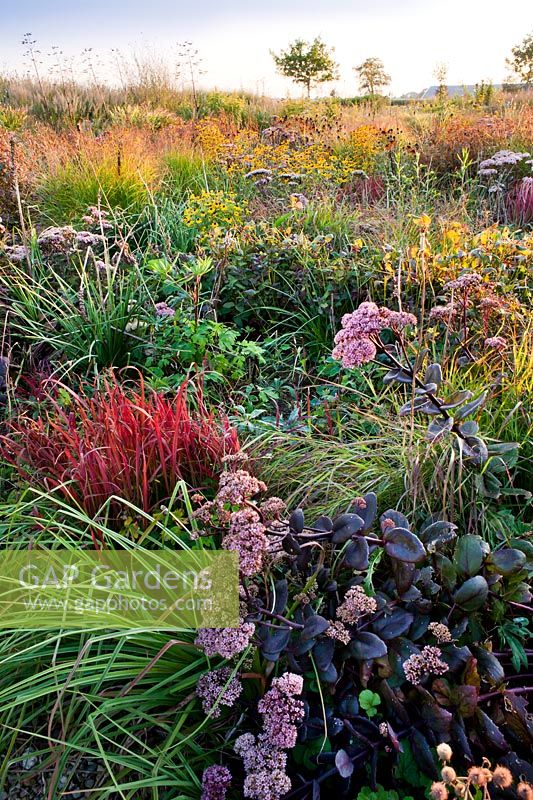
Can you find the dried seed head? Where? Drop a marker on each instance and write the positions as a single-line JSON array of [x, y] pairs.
[[502, 778], [438, 791], [479, 776], [524, 791], [444, 751], [448, 774]]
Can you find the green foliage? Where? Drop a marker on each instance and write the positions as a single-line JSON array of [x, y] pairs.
[[366, 793], [69, 190], [308, 63], [372, 76], [91, 324], [369, 702], [521, 62]]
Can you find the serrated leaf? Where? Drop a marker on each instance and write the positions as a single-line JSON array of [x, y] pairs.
[[392, 625], [439, 427], [281, 596], [490, 732], [507, 561], [323, 524], [314, 626], [400, 521], [470, 551], [323, 652], [297, 521], [457, 399]]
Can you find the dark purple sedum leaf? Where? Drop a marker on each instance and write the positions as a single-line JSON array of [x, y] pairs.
[[403, 545]]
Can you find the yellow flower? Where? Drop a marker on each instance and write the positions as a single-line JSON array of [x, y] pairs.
[[423, 222]]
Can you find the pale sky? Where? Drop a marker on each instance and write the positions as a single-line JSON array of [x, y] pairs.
[[234, 37]]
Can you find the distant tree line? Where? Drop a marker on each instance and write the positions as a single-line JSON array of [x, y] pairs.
[[312, 63]]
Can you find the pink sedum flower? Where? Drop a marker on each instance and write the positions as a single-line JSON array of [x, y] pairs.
[[357, 341], [215, 782], [428, 662], [225, 642], [217, 688], [496, 343]]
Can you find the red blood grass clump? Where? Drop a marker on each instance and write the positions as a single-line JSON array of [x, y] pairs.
[[519, 202], [135, 444]]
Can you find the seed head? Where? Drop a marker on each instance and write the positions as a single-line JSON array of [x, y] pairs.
[[438, 791], [444, 752]]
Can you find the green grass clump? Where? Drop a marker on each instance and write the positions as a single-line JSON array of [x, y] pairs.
[[66, 192]]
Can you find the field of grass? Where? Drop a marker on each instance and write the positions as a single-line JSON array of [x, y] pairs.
[[220, 313]]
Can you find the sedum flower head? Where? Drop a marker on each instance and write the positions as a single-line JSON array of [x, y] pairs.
[[355, 343], [215, 782], [225, 642], [421, 664], [355, 605], [281, 711], [248, 539], [217, 688], [497, 343], [440, 631]]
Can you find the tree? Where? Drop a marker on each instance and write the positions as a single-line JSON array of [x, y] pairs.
[[372, 75], [309, 63], [522, 61]]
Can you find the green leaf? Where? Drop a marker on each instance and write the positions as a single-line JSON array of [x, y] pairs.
[[369, 701], [472, 594], [470, 551]]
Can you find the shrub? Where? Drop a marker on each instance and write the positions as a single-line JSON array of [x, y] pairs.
[[116, 442]]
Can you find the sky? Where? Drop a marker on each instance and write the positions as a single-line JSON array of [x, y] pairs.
[[234, 37]]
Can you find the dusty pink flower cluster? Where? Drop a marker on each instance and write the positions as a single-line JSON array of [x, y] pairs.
[[237, 487], [281, 711], [225, 642], [355, 605], [356, 342], [246, 534], [247, 537], [218, 688], [16, 253], [273, 508], [444, 313], [496, 343], [265, 767], [427, 662], [97, 217], [163, 309], [66, 239], [466, 281], [440, 631], [87, 239], [263, 757], [215, 782], [339, 632]]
